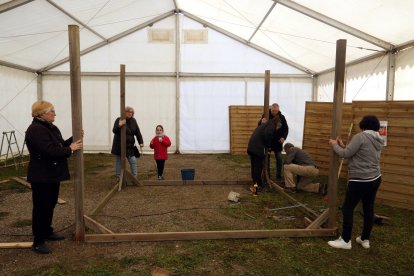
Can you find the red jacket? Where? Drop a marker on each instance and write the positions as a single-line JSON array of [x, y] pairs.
[[160, 148]]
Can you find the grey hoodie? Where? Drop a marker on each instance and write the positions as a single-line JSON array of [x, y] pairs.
[[363, 154]]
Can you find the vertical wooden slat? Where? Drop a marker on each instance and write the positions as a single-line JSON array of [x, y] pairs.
[[122, 181], [76, 96], [336, 129], [266, 95]]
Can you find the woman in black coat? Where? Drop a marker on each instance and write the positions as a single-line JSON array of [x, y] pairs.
[[260, 142], [132, 131], [47, 167]]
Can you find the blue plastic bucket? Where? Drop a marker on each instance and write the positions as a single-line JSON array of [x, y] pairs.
[[187, 174]]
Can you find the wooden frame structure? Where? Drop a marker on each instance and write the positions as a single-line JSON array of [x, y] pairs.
[[312, 230], [106, 235]]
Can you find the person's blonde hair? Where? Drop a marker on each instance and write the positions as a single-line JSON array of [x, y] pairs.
[[41, 107]]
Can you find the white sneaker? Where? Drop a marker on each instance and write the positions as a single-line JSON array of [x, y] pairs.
[[340, 243], [364, 243]]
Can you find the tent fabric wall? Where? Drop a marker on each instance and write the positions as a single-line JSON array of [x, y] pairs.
[[404, 72], [364, 81], [152, 98], [18, 92]]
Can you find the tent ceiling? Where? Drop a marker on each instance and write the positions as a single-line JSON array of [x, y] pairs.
[[303, 32]]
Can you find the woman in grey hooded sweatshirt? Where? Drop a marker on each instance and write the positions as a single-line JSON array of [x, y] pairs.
[[364, 178]]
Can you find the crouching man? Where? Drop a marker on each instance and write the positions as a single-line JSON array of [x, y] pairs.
[[298, 162]]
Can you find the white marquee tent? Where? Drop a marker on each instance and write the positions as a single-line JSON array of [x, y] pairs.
[[188, 60]]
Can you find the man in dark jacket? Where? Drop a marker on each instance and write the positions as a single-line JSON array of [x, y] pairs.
[[259, 143], [298, 162], [47, 167], [132, 131], [280, 136]]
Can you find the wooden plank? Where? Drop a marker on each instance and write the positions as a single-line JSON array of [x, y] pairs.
[[96, 226], [16, 245], [194, 182], [4, 181], [316, 224], [407, 190], [102, 203], [210, 235]]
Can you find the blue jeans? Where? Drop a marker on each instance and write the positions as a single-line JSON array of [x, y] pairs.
[[132, 163], [278, 156]]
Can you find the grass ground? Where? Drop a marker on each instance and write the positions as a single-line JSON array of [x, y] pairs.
[[391, 250]]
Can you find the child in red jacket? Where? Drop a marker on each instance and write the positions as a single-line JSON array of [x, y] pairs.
[[160, 143]]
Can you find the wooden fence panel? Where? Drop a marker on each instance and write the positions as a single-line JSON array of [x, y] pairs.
[[397, 158], [243, 120], [317, 131]]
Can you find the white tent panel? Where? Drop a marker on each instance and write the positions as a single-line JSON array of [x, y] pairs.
[[204, 114], [57, 91], [367, 81], [325, 87], [364, 81], [41, 42], [18, 93], [134, 51], [224, 55], [109, 18], [153, 100], [291, 95], [370, 16], [306, 41], [239, 17], [404, 72]]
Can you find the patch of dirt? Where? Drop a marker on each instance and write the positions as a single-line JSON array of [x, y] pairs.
[[134, 209]]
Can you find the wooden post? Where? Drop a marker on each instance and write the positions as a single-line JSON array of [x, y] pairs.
[[76, 99], [266, 95], [336, 130], [122, 180], [265, 173]]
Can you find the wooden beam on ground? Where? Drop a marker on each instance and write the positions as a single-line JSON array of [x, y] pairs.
[[16, 244], [96, 226], [307, 221], [209, 235], [130, 179], [77, 128], [302, 207], [336, 130], [4, 181], [27, 185], [104, 200], [193, 182], [316, 224]]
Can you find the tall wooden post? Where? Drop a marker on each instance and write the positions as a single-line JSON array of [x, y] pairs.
[[336, 129], [76, 96], [122, 181], [266, 95]]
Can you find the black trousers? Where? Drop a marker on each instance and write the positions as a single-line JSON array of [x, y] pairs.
[[256, 166], [359, 191], [278, 157], [44, 197], [160, 166]]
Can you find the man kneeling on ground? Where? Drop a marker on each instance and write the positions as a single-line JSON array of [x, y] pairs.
[[299, 162]]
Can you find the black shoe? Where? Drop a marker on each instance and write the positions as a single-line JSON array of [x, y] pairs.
[[41, 249], [54, 237]]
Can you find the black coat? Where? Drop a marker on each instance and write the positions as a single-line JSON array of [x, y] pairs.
[[132, 129], [261, 139], [281, 132], [48, 153]]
